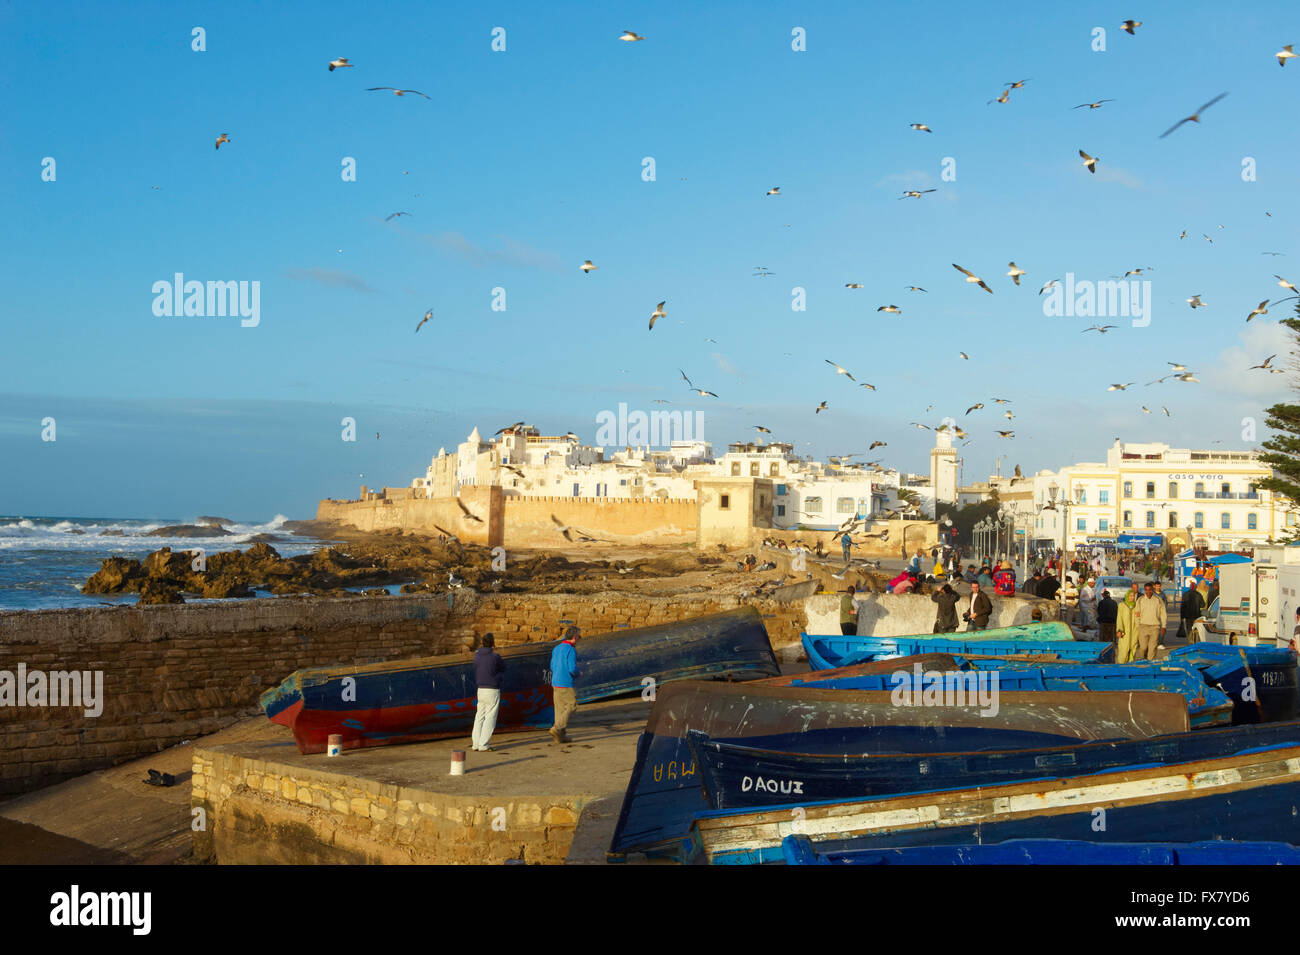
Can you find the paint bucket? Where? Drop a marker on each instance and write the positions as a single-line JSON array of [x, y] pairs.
[[458, 762], [335, 745]]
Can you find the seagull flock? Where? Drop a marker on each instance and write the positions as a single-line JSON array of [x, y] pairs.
[[1091, 162]]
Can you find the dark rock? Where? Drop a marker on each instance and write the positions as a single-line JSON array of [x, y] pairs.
[[115, 576], [157, 592], [189, 530], [111, 532], [213, 521]]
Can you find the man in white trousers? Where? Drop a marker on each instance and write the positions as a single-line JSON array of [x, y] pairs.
[[488, 667]]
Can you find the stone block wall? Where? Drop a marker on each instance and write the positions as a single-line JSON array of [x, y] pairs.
[[176, 672]]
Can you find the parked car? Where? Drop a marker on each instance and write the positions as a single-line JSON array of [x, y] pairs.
[[1118, 586]]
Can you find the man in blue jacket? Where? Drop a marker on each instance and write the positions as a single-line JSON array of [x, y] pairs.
[[564, 668], [488, 667]]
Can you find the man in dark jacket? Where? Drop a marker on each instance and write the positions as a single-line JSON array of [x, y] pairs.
[[1107, 613], [945, 620], [1048, 587], [488, 667], [1189, 610], [977, 611], [1030, 586]]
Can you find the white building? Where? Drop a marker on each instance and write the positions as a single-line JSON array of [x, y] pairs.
[[1175, 495]]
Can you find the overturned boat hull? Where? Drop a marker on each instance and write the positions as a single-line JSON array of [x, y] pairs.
[[738, 776], [800, 850], [1249, 797], [436, 697], [1048, 641], [1261, 681], [664, 788]]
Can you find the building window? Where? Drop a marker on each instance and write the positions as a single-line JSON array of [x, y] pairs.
[[1151, 518], [1200, 489], [813, 505], [844, 505], [1151, 490], [735, 469], [1173, 490], [1103, 524], [773, 469], [1128, 518], [1252, 522], [575, 490], [780, 490], [780, 510], [1080, 523], [753, 469], [1199, 519], [1103, 496], [1225, 488], [1128, 488], [622, 482], [1173, 518], [1225, 521]]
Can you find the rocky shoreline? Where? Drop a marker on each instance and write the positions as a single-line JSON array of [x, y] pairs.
[[373, 561]]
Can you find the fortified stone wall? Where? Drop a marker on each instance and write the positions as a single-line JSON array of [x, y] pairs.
[[175, 672], [528, 520], [866, 539]]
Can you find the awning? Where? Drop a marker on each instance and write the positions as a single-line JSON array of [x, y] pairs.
[[1229, 559], [1140, 540]]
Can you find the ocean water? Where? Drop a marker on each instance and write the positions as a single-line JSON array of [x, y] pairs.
[[44, 561]]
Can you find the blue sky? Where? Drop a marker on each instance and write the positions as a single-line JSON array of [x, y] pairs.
[[528, 161]]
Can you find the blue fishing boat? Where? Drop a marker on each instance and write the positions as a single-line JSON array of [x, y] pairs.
[[1261, 681], [740, 774], [800, 850], [407, 701], [1249, 797], [664, 788], [828, 651], [1206, 705]]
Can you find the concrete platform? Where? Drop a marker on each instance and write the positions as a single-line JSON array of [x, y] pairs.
[[529, 800]]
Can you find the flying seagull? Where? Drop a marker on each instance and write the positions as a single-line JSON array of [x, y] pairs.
[[975, 407], [890, 308], [658, 313], [962, 354], [1051, 283], [1096, 105], [1286, 53], [1089, 161], [1166, 411], [1016, 272], [1284, 283], [702, 393], [1260, 309], [1006, 434], [759, 427], [853, 285], [1176, 366], [820, 408], [972, 278], [917, 424], [511, 427], [877, 444], [1266, 363], [914, 193], [1194, 118], [587, 267], [839, 370], [341, 62], [1100, 328], [1130, 26], [396, 91], [223, 138], [631, 37], [1006, 95], [1120, 387], [1017, 84], [395, 215], [1195, 302], [863, 384], [774, 191], [428, 315], [922, 128], [467, 512], [915, 288]]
